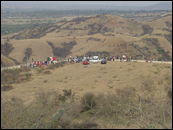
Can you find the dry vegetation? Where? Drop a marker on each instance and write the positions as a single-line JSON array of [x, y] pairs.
[[115, 95], [102, 33], [76, 97], [15, 76]]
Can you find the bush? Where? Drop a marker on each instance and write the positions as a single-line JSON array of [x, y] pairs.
[[28, 76], [28, 53], [62, 98], [147, 29], [6, 48], [119, 108], [67, 92], [88, 101], [47, 72], [170, 93], [6, 87], [10, 76]]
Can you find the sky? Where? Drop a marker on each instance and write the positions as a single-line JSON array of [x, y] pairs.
[[78, 4]]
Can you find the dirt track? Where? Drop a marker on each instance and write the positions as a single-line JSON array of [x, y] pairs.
[[19, 66]]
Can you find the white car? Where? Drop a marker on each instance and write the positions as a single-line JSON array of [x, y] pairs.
[[95, 59]]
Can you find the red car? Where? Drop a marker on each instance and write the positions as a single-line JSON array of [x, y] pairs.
[[85, 62]]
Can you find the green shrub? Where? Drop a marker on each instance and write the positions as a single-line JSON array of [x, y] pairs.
[[88, 101]]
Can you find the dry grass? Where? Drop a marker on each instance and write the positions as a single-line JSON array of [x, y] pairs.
[[15, 76], [116, 45], [135, 101], [121, 108], [47, 72], [6, 87]]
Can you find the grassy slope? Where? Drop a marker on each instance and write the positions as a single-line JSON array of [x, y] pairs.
[[123, 29], [150, 81], [95, 77], [5, 61]]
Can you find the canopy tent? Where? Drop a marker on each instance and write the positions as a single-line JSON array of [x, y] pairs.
[[51, 58]]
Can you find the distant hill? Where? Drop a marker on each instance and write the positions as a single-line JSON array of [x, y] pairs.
[[100, 34], [37, 5]]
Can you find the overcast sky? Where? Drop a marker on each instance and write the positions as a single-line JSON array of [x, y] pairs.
[[67, 4], [117, 3]]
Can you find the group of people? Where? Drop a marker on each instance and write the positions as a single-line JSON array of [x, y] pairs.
[[36, 63], [120, 58], [78, 59]]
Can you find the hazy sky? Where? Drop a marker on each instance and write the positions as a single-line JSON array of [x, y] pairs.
[[74, 4], [117, 3]]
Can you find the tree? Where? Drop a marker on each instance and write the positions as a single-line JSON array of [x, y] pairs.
[[6, 48], [28, 53]]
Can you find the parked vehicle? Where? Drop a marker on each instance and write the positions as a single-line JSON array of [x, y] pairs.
[[95, 59], [86, 62], [103, 61]]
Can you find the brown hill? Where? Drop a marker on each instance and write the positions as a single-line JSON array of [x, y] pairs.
[[113, 35]]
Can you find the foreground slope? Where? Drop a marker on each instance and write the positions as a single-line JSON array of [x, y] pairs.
[[127, 95]]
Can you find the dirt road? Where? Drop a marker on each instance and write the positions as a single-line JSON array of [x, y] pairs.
[[160, 62]]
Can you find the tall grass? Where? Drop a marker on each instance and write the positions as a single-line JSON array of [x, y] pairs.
[[124, 107]]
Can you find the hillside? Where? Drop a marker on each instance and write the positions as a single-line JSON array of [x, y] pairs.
[[108, 34], [6, 61], [122, 95]]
